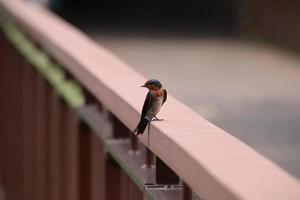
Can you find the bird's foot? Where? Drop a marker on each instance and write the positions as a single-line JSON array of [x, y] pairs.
[[156, 119]]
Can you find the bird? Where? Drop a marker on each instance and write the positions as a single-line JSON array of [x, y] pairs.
[[154, 100]]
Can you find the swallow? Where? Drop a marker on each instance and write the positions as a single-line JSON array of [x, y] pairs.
[[155, 98]]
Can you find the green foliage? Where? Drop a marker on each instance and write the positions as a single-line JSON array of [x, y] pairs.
[[69, 90]]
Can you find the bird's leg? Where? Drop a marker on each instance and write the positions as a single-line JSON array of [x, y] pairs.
[[156, 119]]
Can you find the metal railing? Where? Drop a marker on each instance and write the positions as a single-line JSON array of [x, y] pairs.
[[68, 107]]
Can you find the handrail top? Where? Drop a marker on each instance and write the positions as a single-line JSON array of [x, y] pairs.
[[212, 162]]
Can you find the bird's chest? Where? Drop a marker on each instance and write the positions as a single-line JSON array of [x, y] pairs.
[[157, 103]]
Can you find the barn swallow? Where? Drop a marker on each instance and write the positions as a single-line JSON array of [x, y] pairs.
[[155, 98]]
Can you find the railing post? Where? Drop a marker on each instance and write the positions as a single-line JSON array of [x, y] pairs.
[[55, 147], [15, 143], [2, 88], [3, 108], [4, 111], [70, 150], [134, 143], [92, 166], [150, 158], [41, 135], [187, 192], [113, 172], [113, 177], [85, 162], [119, 129], [97, 169], [28, 127], [164, 174]]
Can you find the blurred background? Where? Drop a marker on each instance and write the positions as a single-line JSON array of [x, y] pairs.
[[234, 62]]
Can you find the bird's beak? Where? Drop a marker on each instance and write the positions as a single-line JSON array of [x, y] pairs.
[[143, 86]]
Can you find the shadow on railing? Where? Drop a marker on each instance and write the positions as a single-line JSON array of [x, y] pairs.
[[65, 127]]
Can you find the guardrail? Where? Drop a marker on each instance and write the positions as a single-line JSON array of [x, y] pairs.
[[67, 109]]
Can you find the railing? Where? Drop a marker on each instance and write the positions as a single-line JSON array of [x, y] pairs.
[[67, 108]]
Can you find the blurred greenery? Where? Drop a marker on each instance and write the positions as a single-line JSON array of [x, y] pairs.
[[69, 90]]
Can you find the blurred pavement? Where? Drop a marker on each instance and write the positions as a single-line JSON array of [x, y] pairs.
[[253, 92]]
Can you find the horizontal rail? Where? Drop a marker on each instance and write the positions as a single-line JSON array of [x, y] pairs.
[[210, 161]]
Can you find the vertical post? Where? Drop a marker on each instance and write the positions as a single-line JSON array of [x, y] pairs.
[[55, 147], [97, 169], [113, 171], [187, 192], [164, 174], [92, 159], [124, 186], [2, 88], [113, 180], [134, 143], [47, 142], [28, 130], [4, 103], [14, 125], [41, 135], [70, 150], [92, 166], [85, 162], [11, 120], [119, 129], [149, 158], [90, 99], [23, 131], [6, 100]]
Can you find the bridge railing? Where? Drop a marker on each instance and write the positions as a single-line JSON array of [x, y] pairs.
[[67, 108]]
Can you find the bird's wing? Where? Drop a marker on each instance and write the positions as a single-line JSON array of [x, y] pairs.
[[147, 104], [165, 96]]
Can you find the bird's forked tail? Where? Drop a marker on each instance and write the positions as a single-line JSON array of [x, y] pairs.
[[141, 126]]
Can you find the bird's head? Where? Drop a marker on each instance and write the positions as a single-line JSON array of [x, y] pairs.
[[152, 84]]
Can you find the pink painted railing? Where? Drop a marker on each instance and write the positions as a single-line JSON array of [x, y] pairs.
[[67, 108]]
